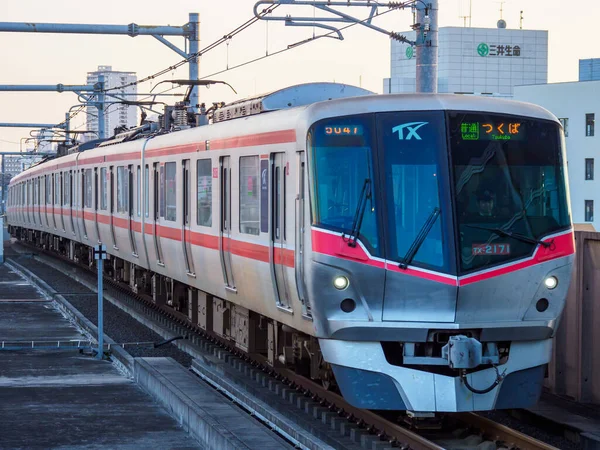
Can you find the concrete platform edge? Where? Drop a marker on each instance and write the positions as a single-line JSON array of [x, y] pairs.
[[195, 420], [122, 359]]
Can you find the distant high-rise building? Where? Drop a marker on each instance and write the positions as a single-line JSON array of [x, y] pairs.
[[480, 61], [589, 69], [116, 115]]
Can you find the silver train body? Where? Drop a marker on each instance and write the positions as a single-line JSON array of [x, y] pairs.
[[331, 234]]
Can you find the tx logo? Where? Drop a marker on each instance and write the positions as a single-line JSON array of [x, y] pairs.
[[411, 127]]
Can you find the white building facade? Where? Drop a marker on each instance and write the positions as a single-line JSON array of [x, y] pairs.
[[576, 104], [116, 115], [480, 61]]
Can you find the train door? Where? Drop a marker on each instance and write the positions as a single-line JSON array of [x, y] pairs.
[[112, 206], [186, 231], [28, 200], [71, 200], [38, 189], [96, 197], [129, 193], [53, 200], [158, 184], [82, 202], [279, 176], [45, 199], [61, 186], [300, 235], [225, 240]]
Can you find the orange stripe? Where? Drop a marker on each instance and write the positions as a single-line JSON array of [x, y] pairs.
[[92, 160], [273, 137], [123, 156]]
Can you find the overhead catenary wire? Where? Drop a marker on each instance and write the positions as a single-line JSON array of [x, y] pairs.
[[295, 45], [210, 47]]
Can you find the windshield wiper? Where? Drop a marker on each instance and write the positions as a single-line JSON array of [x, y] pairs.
[[365, 195], [501, 232], [414, 248]]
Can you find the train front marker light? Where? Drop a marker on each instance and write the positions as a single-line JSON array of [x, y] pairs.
[[551, 282], [341, 282]]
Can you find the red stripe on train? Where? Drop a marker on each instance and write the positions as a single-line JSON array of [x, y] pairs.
[[336, 246], [563, 245]]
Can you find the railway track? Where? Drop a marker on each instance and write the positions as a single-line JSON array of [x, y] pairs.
[[238, 372]]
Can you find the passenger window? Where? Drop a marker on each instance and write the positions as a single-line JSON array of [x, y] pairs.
[[249, 195], [88, 188], [139, 188], [122, 190], [147, 190], [57, 189], [204, 199], [66, 189], [171, 186], [103, 188], [162, 191], [48, 190]]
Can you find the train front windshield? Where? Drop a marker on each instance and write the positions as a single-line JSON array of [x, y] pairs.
[[404, 178], [509, 186]]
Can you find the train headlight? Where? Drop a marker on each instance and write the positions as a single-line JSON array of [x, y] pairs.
[[341, 282], [551, 282]]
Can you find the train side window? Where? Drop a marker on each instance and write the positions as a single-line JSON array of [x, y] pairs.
[[162, 191], [204, 199], [87, 177], [147, 190], [249, 195], [57, 189], [171, 191], [48, 190], [138, 203], [122, 189], [67, 189], [103, 188], [70, 188]]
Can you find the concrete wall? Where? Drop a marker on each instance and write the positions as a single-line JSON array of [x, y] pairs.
[[575, 370], [573, 101]]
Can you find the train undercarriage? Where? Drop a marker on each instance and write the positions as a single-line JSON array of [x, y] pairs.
[[260, 337]]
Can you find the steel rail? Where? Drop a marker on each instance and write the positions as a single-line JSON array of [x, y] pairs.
[[370, 421], [498, 432]]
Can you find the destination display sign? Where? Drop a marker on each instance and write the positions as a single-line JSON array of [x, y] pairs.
[[492, 131]]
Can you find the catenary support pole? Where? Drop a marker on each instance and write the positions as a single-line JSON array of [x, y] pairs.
[[427, 47], [100, 256], [194, 47], [100, 106]]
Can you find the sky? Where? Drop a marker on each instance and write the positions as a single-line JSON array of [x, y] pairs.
[[362, 58]]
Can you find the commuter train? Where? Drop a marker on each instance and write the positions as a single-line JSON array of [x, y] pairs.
[[412, 251]]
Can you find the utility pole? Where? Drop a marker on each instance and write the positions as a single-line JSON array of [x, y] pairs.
[[427, 46], [190, 31]]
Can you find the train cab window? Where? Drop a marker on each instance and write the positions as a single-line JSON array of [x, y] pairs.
[[249, 195], [171, 191], [88, 188], [204, 199], [103, 189], [343, 177], [509, 186], [122, 190], [411, 144]]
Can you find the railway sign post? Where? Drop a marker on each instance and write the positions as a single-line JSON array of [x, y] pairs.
[[100, 255]]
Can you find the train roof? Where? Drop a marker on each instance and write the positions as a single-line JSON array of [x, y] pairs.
[[427, 102], [277, 114]]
